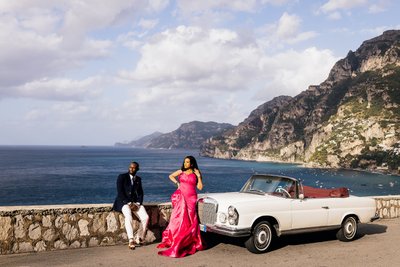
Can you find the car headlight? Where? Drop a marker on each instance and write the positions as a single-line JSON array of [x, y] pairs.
[[222, 217], [233, 216]]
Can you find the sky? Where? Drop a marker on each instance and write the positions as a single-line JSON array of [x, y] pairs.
[[96, 72]]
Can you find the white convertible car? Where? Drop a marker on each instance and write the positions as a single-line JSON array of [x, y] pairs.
[[269, 206]]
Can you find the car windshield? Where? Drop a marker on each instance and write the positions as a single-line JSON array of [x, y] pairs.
[[273, 185]]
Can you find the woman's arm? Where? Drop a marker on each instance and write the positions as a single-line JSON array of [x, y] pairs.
[[199, 179], [173, 177]]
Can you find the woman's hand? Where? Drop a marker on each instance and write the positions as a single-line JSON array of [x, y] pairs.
[[199, 179]]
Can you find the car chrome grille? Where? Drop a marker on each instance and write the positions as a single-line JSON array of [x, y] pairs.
[[207, 211]]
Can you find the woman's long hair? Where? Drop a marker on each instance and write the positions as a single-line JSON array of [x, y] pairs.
[[193, 163]]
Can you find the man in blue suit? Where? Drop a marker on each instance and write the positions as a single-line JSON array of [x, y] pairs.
[[129, 200]]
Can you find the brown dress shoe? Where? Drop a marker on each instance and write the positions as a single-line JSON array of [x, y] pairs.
[[131, 244], [139, 242]]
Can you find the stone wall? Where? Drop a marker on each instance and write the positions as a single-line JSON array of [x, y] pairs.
[[40, 228], [388, 207]]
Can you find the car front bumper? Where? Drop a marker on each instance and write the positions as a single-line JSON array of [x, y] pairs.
[[376, 217], [225, 230]]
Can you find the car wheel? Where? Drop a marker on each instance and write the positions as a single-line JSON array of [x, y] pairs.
[[348, 231], [261, 238]]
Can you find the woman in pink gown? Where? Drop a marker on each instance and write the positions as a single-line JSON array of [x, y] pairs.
[[182, 235]]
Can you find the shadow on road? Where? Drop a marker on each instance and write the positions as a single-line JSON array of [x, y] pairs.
[[316, 237], [372, 229], [213, 240]]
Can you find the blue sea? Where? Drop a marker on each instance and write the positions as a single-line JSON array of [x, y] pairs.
[[40, 175]]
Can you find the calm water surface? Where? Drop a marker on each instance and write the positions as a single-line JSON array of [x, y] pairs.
[[39, 175]]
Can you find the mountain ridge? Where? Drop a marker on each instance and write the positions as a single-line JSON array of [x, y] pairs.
[[188, 135], [316, 127]]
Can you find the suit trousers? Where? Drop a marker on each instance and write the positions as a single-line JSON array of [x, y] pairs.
[[141, 214]]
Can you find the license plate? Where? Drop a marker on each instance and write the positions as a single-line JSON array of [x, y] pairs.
[[203, 228]]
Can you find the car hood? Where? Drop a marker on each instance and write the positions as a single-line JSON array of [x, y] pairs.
[[247, 202]]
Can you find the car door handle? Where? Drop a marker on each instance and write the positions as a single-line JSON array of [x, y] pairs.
[[325, 207]]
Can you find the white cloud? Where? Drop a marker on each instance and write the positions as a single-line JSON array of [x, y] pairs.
[[155, 5], [59, 89], [131, 40], [148, 24], [209, 13], [164, 109], [190, 57], [43, 22], [67, 111], [43, 38], [276, 2], [333, 5], [335, 9], [292, 72], [83, 15], [188, 6], [285, 31], [379, 6], [302, 36], [288, 26]]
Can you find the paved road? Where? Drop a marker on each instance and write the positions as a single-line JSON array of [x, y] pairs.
[[378, 245]]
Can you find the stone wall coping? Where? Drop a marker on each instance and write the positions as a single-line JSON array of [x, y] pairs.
[[71, 206], [387, 197], [109, 205], [47, 207], [68, 208]]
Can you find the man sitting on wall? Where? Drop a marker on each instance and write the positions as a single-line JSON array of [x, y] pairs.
[[129, 200]]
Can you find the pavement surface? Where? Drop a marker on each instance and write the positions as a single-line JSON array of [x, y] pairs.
[[377, 245]]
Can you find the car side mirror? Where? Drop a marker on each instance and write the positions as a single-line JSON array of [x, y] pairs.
[[301, 196]]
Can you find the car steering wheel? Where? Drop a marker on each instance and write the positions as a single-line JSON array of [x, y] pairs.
[[283, 191]]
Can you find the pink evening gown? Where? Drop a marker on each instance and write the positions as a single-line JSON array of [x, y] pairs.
[[182, 235]]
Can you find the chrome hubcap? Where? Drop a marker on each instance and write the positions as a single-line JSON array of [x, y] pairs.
[[262, 237], [350, 228]]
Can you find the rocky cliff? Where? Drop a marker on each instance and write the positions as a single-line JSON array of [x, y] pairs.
[[144, 141], [352, 119], [189, 136]]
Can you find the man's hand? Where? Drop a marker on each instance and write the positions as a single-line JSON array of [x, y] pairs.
[[134, 206]]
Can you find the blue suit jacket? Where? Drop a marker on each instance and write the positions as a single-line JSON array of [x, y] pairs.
[[126, 193]]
